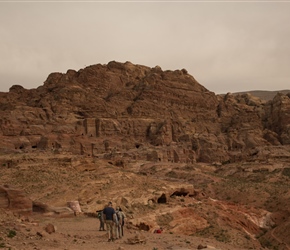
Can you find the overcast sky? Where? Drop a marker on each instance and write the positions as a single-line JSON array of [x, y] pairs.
[[228, 46]]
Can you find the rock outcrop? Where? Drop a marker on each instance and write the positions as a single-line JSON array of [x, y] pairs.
[[15, 200]]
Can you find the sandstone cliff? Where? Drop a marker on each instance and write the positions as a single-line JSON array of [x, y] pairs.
[[142, 113]]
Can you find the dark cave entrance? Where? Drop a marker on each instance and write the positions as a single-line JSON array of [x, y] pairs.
[[143, 226], [179, 193], [162, 199]]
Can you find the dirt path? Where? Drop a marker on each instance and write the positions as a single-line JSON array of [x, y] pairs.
[[82, 233]]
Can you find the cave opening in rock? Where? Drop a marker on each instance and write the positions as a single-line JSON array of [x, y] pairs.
[[162, 199], [143, 226], [179, 193]]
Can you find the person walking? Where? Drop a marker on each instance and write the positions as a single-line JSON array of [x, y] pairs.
[[101, 219], [109, 215], [121, 221], [116, 226]]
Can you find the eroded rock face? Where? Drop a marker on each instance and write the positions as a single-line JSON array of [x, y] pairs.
[[278, 117], [141, 113], [15, 200]]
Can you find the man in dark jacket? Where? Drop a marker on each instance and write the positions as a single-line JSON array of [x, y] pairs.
[[110, 218]]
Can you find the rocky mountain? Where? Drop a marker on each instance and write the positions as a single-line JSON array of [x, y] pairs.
[[155, 115], [169, 151]]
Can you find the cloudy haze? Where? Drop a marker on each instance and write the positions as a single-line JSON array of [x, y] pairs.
[[228, 46]]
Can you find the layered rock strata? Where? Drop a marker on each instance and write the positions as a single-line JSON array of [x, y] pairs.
[[141, 113]]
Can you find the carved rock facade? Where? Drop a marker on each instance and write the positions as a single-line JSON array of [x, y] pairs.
[[140, 113]]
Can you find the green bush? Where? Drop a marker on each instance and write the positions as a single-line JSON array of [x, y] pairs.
[[11, 234], [286, 172]]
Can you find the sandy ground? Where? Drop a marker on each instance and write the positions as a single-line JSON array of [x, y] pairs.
[[82, 232]]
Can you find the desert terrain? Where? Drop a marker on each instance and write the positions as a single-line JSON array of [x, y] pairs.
[[219, 207], [212, 170]]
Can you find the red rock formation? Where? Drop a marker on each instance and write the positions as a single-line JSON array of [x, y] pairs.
[[110, 110]]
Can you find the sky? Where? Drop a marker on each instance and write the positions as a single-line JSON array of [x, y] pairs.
[[227, 46]]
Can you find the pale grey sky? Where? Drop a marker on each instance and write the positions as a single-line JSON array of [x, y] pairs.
[[228, 46]]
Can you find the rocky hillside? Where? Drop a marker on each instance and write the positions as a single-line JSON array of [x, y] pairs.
[[230, 207], [136, 112], [264, 94]]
